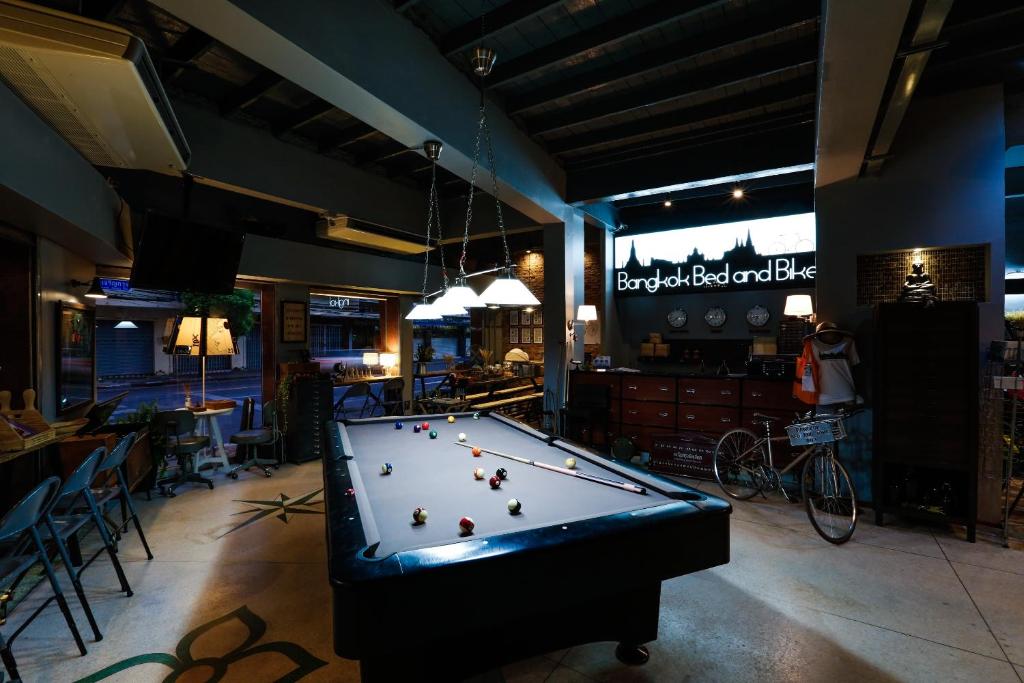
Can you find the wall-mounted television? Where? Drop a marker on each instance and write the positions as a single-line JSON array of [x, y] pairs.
[[766, 253], [182, 256]]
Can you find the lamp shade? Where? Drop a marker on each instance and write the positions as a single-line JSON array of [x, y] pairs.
[[463, 296], [96, 290], [586, 312], [126, 325], [200, 336], [509, 291], [371, 358], [799, 305], [423, 311], [446, 307], [388, 360]]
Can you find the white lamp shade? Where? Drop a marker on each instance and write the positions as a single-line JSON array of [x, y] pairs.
[[126, 325], [586, 312], [799, 305], [509, 291], [423, 311], [189, 341], [462, 296], [446, 307], [371, 358], [388, 360]]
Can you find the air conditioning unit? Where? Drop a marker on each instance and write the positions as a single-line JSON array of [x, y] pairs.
[[94, 84], [342, 229]]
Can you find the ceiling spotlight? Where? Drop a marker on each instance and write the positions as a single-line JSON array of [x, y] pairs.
[[668, 203], [738, 193]]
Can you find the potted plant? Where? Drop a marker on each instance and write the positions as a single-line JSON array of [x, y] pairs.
[[424, 354], [145, 459]]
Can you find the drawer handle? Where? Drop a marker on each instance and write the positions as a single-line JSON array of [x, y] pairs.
[[756, 394], [633, 412], [725, 419], [663, 414], [691, 418], [631, 387], [726, 392], [691, 390]]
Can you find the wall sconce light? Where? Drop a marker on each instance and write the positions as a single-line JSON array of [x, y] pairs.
[[584, 314], [371, 358], [95, 290], [800, 306]]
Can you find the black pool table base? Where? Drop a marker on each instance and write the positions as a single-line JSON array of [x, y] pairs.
[[628, 617]]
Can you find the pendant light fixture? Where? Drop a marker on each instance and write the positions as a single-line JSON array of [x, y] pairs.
[[425, 310], [507, 289]]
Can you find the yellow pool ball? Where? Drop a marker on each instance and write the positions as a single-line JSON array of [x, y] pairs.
[[570, 463], [451, 418]]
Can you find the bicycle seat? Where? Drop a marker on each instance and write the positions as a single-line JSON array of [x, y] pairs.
[[765, 418]]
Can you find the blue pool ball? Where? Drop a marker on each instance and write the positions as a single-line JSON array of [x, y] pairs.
[[398, 425], [386, 468], [476, 416], [433, 433], [416, 428]]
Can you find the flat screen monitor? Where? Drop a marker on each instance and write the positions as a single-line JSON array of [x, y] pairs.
[[99, 414], [182, 256]]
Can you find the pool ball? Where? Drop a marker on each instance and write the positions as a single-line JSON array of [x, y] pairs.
[[466, 525], [350, 492], [451, 419], [462, 437], [386, 468], [477, 452], [494, 481], [476, 416], [514, 506], [478, 473], [570, 463], [416, 428], [419, 515], [398, 425], [425, 426], [433, 433], [502, 473]]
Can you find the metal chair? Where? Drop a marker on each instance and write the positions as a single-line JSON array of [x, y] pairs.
[[355, 391], [178, 428], [66, 520], [251, 439], [114, 486], [19, 530], [392, 399]]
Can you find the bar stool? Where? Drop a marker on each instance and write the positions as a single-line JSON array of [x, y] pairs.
[[19, 529]]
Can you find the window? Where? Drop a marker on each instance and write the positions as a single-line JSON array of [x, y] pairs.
[[343, 327]]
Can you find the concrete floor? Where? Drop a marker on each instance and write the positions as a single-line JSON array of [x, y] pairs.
[[250, 603]]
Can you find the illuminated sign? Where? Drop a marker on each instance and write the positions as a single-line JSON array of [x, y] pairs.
[[768, 253]]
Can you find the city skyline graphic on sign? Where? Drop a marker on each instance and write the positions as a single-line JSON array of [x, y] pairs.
[[767, 253]]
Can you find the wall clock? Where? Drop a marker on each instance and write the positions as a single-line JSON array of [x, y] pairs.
[[715, 316], [677, 318], [758, 316]]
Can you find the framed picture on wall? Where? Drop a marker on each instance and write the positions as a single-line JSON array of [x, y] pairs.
[[538, 335], [513, 335], [525, 336], [76, 356], [293, 321], [538, 318], [525, 318], [513, 318]]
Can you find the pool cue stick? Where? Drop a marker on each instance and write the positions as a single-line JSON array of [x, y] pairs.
[[632, 488]]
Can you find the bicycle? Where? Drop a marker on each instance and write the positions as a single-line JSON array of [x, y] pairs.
[[744, 467]]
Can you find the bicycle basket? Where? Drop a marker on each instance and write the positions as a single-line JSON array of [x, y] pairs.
[[819, 431]]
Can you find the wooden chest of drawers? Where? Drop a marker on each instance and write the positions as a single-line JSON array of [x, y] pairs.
[[649, 389]]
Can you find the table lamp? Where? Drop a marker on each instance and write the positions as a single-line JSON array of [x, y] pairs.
[[800, 306], [584, 314], [200, 336], [388, 361]]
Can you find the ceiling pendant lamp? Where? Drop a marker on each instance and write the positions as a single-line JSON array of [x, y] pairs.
[[425, 310], [507, 289]]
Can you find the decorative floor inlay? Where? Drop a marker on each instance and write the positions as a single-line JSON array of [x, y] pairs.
[[281, 507]]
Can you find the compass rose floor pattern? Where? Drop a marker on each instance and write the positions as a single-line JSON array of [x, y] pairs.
[[238, 592]]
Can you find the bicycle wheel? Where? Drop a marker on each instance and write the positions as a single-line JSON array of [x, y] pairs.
[[739, 457], [829, 496]]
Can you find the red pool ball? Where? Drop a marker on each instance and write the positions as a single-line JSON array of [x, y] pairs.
[[425, 426], [495, 482]]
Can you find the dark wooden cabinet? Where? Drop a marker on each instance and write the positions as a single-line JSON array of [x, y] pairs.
[[310, 406], [926, 411]]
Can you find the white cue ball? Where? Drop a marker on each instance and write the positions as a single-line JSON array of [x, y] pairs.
[[570, 463], [462, 436]]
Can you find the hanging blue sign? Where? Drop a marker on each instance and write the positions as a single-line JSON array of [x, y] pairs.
[[111, 285]]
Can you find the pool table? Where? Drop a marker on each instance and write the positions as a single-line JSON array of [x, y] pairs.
[[581, 562]]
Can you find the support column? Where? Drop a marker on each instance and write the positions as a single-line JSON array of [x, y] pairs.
[[406, 348], [611, 337], [563, 293]]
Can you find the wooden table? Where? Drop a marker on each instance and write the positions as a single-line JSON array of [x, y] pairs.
[[356, 380], [7, 456]]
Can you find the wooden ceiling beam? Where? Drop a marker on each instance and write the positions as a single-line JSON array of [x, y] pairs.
[[502, 18], [250, 92]]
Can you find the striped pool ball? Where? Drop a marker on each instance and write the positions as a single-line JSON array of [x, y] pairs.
[[514, 506], [419, 515], [386, 468], [478, 473], [466, 525]]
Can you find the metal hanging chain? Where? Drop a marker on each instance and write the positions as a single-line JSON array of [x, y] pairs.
[[436, 204], [430, 220], [494, 183], [472, 188]]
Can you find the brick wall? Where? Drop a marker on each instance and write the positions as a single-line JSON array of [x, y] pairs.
[[959, 273]]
